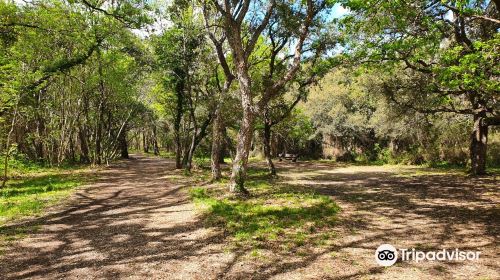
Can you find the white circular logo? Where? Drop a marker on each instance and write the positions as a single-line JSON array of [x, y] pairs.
[[386, 255]]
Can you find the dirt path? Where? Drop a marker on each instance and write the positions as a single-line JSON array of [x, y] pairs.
[[136, 222], [399, 206], [133, 222]]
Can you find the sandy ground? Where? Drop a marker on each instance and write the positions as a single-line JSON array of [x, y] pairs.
[[137, 222]]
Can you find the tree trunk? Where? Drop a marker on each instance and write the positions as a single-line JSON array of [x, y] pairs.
[[198, 136], [155, 142], [100, 119], [72, 154], [217, 141], [218, 129], [497, 4], [187, 161], [222, 152], [240, 163], [145, 144], [7, 147], [267, 147], [122, 142], [98, 152], [239, 172], [177, 124], [84, 147], [478, 146]]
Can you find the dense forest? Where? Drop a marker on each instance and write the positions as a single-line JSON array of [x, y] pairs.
[[398, 81]]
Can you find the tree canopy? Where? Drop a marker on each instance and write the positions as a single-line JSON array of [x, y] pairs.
[[85, 81]]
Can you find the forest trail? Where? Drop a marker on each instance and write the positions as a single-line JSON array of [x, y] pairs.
[[133, 222], [137, 222]]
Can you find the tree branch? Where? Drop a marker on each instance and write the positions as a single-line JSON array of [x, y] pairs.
[[471, 15], [298, 50], [255, 36]]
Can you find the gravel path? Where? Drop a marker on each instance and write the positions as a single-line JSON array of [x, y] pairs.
[[137, 222]]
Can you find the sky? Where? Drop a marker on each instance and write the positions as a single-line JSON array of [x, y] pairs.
[[339, 11]]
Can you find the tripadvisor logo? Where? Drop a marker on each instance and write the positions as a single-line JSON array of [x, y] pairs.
[[387, 255]]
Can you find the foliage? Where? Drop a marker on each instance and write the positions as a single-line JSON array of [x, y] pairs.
[[355, 114], [440, 56], [67, 63]]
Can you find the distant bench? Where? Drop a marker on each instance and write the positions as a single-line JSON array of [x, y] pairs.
[[292, 157]]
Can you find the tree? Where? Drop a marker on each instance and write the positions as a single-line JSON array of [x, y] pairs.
[[191, 74], [218, 126], [450, 49], [61, 59], [244, 23], [178, 50]]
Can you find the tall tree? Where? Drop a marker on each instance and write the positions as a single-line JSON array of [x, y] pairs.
[[178, 49], [244, 23]]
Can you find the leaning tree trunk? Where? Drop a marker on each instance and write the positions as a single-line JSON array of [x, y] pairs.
[[267, 148], [478, 146]]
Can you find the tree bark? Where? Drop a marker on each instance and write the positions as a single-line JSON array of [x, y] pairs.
[[155, 142], [198, 136], [478, 146], [217, 139], [7, 146], [240, 163], [267, 147], [239, 172], [40, 127], [145, 144], [123, 144], [98, 139], [218, 129], [84, 147], [497, 4], [100, 119], [177, 124]]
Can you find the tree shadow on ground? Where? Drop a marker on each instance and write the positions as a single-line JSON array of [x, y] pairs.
[[136, 222]]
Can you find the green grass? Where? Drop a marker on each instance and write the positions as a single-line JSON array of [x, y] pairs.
[[31, 190], [28, 196], [274, 215], [163, 153]]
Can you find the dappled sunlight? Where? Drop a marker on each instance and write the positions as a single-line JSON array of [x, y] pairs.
[[135, 218], [408, 207], [318, 220]]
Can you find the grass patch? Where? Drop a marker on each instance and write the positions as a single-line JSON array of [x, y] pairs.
[[276, 215], [26, 197], [31, 191]]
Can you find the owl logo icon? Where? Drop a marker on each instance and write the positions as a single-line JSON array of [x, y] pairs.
[[386, 255]]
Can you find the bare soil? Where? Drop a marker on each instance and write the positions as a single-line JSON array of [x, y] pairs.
[[137, 222]]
